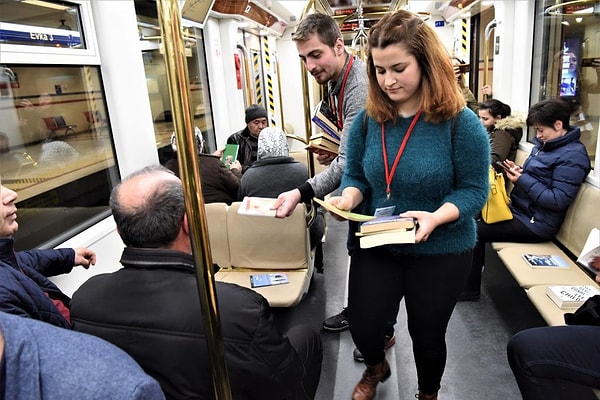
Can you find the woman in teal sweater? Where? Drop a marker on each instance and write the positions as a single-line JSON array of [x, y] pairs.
[[423, 155]]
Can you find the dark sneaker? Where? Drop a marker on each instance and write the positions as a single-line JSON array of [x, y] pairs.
[[338, 322], [390, 340]]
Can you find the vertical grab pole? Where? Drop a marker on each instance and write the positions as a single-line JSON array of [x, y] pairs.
[[486, 60], [177, 78]]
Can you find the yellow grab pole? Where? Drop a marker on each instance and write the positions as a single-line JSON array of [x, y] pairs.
[[177, 78]]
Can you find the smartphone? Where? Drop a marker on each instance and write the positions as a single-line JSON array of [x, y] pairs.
[[464, 68], [501, 164]]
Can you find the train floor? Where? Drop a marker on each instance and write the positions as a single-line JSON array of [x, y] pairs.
[[476, 368]]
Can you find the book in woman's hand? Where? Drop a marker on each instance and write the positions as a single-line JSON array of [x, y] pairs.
[[387, 223]]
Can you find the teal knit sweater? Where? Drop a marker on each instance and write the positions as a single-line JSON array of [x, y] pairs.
[[436, 167]]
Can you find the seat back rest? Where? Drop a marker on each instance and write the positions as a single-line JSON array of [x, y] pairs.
[[216, 219], [581, 217], [50, 123], [269, 243], [60, 121]]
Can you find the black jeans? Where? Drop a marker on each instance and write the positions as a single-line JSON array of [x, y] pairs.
[[352, 242], [556, 363], [430, 286]]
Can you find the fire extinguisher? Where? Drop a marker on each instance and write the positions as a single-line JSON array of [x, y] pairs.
[[238, 70]]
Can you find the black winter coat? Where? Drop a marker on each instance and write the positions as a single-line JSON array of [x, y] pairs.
[[150, 308]]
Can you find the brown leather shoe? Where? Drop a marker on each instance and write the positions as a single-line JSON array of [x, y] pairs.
[[366, 388]]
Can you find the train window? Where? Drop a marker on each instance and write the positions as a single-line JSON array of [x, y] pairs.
[[41, 23], [56, 149], [567, 63], [156, 79]]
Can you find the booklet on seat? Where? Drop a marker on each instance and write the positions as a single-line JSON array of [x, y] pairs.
[[270, 279], [546, 261]]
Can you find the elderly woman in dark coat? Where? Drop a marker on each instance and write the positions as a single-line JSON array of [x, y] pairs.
[[275, 172]]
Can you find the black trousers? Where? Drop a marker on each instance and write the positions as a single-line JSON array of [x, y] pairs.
[[307, 344], [430, 286]]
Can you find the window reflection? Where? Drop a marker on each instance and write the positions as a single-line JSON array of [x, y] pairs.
[[569, 64], [156, 79], [56, 148]]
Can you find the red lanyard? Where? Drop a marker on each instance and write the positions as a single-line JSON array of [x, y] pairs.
[[389, 175], [340, 122]]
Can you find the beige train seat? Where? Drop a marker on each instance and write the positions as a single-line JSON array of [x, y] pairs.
[[259, 245], [216, 218]]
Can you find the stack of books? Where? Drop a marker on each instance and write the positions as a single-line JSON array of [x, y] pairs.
[[323, 142], [325, 119], [387, 230], [571, 296]]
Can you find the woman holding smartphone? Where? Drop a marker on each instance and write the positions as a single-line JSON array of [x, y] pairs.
[[544, 186]]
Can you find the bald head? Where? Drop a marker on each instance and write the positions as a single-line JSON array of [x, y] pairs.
[[148, 208], [136, 190]]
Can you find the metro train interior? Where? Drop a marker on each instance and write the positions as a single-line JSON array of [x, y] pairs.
[[85, 100]]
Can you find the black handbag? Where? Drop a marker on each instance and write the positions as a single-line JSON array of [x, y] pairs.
[[587, 314]]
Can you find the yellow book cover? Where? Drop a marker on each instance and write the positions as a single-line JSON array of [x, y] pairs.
[[344, 214]]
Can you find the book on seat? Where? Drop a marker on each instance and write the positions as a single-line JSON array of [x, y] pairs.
[[230, 154], [260, 206], [546, 261], [590, 250], [324, 118], [571, 296]]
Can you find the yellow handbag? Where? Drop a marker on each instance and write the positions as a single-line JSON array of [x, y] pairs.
[[496, 207]]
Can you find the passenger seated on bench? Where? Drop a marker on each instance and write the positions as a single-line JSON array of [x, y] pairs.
[[151, 309], [219, 184], [557, 362], [276, 172], [505, 130], [544, 186], [41, 361], [25, 289]]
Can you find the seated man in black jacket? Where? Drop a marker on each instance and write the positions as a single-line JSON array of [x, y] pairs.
[[151, 309]]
